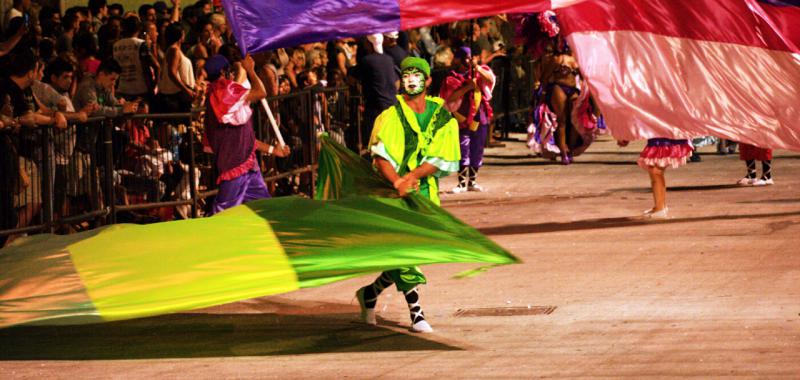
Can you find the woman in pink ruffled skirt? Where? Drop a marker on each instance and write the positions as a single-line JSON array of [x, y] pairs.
[[656, 157]]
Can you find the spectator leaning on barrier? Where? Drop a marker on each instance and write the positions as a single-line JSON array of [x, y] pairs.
[[53, 94], [99, 89], [21, 117]]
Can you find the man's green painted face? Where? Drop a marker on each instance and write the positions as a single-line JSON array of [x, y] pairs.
[[413, 81]]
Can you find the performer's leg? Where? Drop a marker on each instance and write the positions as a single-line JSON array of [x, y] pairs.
[[231, 193], [256, 188], [372, 291], [749, 178], [751, 169], [406, 280], [463, 178], [766, 170], [659, 185], [368, 297], [465, 136], [477, 148], [558, 102], [766, 174], [418, 322]]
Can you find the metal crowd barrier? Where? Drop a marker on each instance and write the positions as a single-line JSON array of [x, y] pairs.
[[151, 167]]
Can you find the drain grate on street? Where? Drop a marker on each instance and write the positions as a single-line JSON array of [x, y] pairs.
[[505, 311]]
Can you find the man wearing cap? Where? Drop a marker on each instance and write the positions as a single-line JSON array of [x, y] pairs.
[[468, 90], [413, 144], [379, 81], [229, 133]]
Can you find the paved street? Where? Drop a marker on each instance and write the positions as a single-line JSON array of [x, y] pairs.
[[712, 292]]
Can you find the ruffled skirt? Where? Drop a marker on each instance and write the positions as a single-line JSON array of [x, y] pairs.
[[541, 133], [664, 153]]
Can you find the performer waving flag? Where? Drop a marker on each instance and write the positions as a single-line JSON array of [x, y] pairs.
[[413, 143]]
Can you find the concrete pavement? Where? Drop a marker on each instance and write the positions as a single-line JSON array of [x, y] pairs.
[[711, 292]]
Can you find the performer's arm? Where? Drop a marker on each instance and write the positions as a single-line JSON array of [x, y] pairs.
[[263, 147], [422, 171], [386, 169], [484, 72], [458, 93], [403, 185], [257, 92]]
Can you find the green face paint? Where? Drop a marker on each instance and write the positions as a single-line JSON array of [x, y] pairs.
[[413, 81]]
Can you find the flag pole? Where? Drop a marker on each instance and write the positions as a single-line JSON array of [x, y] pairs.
[[472, 24], [272, 122]]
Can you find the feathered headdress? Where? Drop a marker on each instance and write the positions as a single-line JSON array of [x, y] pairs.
[[549, 23], [535, 30]]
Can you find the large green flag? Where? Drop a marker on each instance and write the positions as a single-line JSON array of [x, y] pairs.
[[357, 225]]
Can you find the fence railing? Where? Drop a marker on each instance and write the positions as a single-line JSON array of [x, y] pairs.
[[154, 167]]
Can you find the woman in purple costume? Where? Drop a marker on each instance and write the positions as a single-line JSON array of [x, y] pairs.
[[565, 119], [229, 133]]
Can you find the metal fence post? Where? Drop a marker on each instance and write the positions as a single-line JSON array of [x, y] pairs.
[[359, 124], [312, 138], [508, 79], [192, 174], [108, 170], [47, 179]]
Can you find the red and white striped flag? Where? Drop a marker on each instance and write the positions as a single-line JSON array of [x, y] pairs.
[[680, 69]]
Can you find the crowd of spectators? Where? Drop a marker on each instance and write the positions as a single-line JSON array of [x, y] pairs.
[[60, 69]]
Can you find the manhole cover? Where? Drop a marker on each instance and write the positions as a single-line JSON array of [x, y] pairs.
[[505, 311]]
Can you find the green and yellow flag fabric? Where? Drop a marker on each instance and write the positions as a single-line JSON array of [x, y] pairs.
[[357, 225]]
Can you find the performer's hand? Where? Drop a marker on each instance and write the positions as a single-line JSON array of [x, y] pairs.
[[404, 186], [282, 151], [412, 179], [248, 64], [471, 84]]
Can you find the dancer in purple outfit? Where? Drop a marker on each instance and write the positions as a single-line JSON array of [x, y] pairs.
[[229, 132]]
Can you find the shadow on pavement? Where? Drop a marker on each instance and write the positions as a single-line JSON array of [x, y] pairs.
[[543, 162], [195, 335], [682, 188], [775, 201], [593, 224]]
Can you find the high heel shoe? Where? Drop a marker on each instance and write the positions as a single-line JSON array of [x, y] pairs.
[[566, 159]]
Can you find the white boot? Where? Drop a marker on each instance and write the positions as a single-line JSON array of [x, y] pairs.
[[421, 327], [367, 315]]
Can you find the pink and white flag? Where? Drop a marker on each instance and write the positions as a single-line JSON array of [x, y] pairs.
[[680, 69]]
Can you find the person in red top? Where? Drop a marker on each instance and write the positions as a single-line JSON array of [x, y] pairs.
[[467, 90]]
